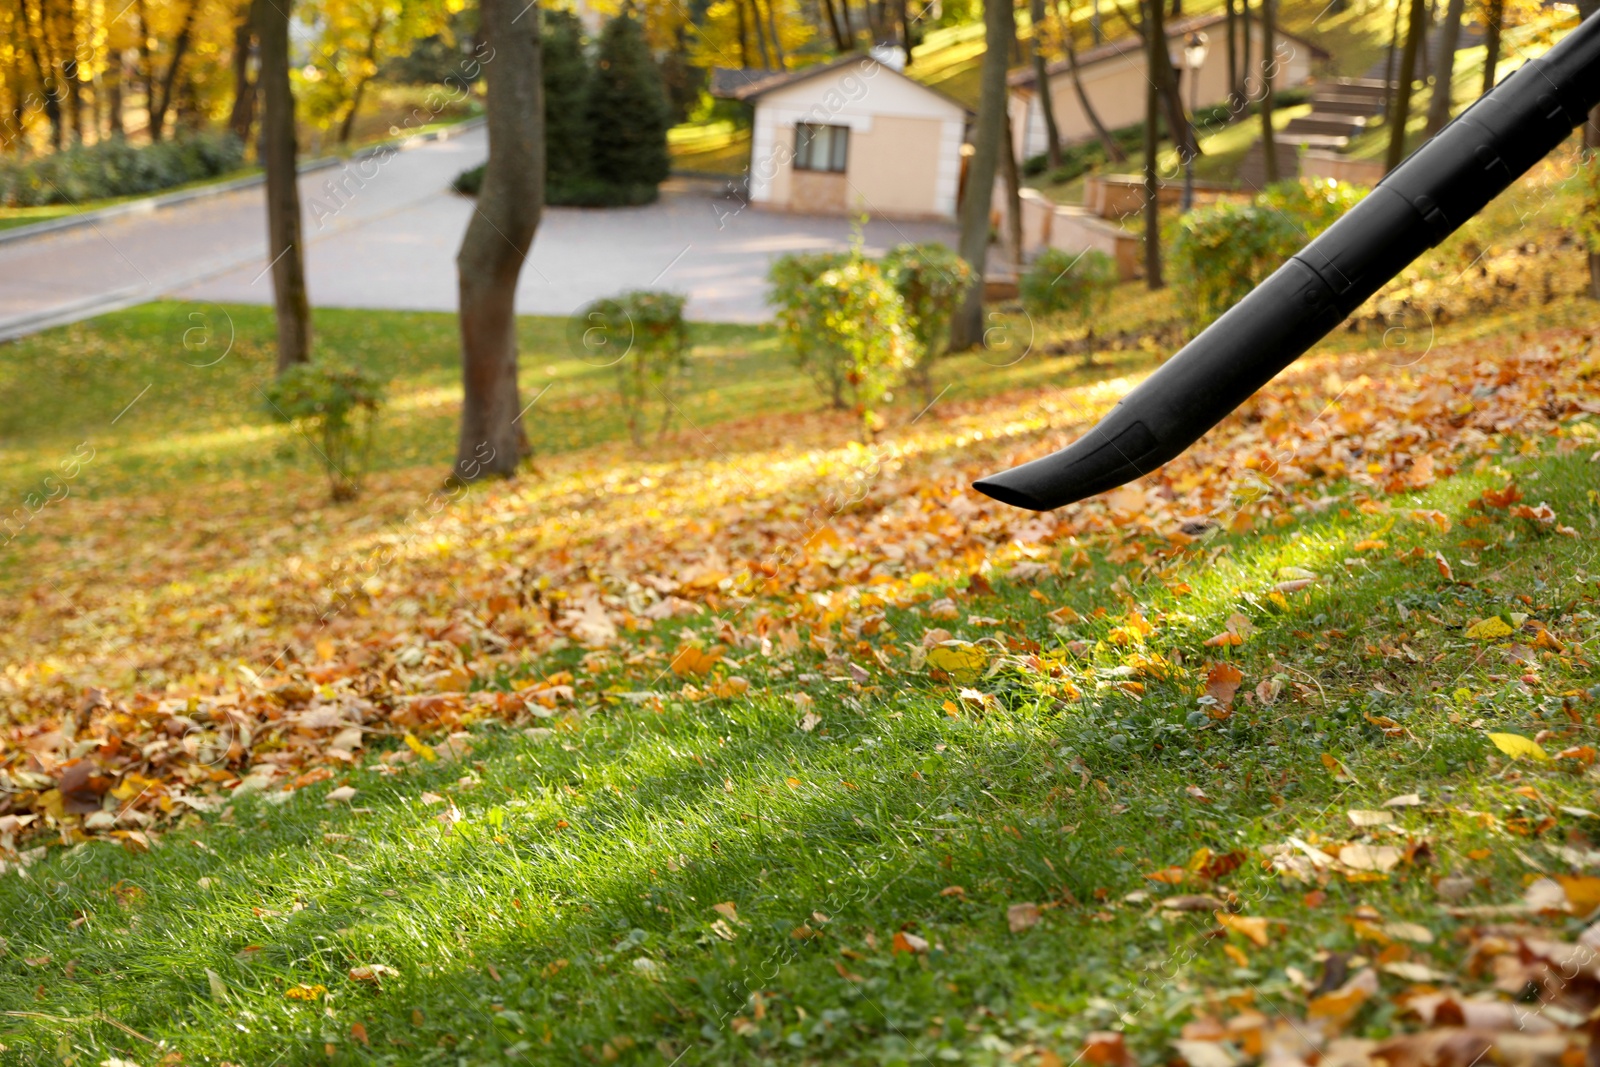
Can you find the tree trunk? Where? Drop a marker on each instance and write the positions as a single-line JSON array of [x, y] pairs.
[[1013, 179], [496, 244], [1591, 141], [1041, 80], [1155, 49], [1402, 90], [1493, 17], [1109, 143], [1158, 63], [115, 72], [905, 29], [147, 64], [45, 74], [1231, 22], [1449, 35], [180, 45], [243, 115], [1244, 51], [761, 34], [744, 34], [841, 41], [284, 245], [70, 74], [371, 56], [772, 31], [1269, 136], [999, 24]]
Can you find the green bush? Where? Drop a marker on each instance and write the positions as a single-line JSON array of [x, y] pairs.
[[116, 168], [572, 192], [628, 113], [1068, 283], [648, 326], [1222, 252], [333, 407], [931, 281], [845, 326], [566, 101]]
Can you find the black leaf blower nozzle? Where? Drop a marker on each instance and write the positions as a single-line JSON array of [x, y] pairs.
[[1439, 187]]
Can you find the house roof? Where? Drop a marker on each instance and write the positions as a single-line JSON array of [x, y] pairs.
[[1131, 45], [751, 85]]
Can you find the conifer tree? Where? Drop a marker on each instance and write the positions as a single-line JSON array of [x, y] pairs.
[[627, 110]]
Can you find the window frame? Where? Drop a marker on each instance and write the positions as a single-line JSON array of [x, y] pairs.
[[838, 148]]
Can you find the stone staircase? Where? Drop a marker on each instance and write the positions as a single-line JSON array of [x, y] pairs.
[[1340, 110]]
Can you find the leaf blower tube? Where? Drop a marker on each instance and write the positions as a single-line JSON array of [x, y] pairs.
[[1421, 202]]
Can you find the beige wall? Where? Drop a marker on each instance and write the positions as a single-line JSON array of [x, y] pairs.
[[893, 166], [1116, 88]]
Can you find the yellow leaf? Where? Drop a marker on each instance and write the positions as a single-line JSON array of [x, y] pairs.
[[960, 660], [1517, 747], [1253, 928], [1583, 891], [1489, 629], [425, 751]]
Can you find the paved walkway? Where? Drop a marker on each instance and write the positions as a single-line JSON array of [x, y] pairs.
[[384, 235]]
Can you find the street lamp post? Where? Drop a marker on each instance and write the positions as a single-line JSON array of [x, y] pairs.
[[1194, 55]]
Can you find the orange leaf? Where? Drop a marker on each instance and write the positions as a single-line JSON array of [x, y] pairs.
[[1223, 682], [1253, 928]]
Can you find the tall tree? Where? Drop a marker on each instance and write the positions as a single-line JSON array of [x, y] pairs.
[[1400, 111], [841, 40], [243, 114], [627, 108], [1000, 29], [1588, 9], [1230, 21], [1114, 150], [1494, 14], [1269, 137], [1041, 82], [49, 87], [1155, 59], [1449, 37], [1245, 34], [497, 241], [284, 244], [180, 45]]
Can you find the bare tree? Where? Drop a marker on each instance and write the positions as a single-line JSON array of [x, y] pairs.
[[1000, 29], [1449, 37], [243, 115], [284, 244], [1155, 41], [1400, 112], [180, 47], [1041, 80], [1494, 17], [1269, 136], [497, 242]]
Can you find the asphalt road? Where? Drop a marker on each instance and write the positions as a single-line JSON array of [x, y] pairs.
[[383, 233]]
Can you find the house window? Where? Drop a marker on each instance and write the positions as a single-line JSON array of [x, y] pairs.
[[823, 148]]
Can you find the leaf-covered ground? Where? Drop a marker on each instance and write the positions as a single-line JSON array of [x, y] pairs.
[[770, 745]]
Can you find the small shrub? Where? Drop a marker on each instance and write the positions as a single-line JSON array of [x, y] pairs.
[[333, 407], [1222, 252], [114, 168], [1078, 284], [792, 279], [845, 325], [652, 366], [931, 281]]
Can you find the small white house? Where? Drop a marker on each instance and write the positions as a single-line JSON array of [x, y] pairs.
[[849, 137]]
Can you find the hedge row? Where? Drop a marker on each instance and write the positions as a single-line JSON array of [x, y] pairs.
[[117, 168]]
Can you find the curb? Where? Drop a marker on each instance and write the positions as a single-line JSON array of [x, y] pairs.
[[150, 205]]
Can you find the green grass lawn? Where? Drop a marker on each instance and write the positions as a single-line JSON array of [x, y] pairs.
[[835, 864], [712, 883]]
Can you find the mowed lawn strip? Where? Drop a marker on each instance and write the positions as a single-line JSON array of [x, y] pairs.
[[713, 880]]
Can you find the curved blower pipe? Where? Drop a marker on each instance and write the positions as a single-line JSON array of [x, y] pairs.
[[1421, 202]]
